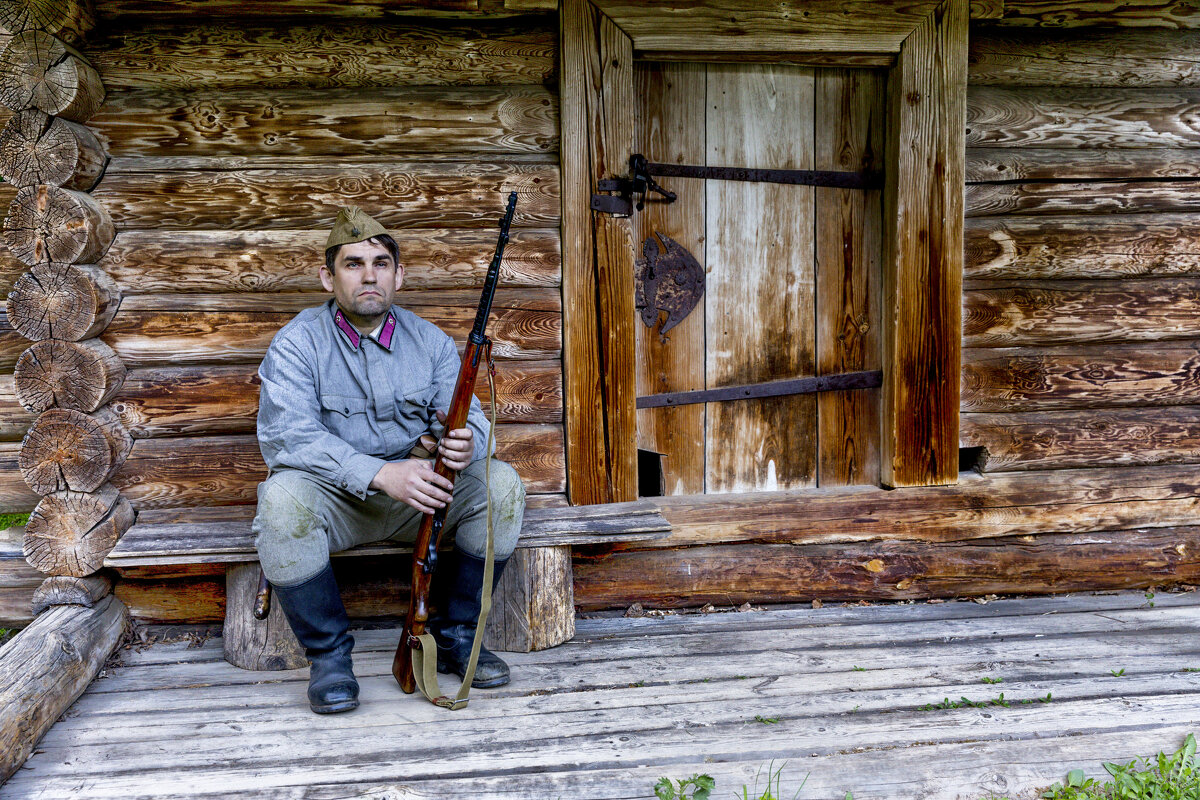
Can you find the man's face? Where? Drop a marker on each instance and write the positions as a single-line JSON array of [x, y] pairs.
[[364, 280]]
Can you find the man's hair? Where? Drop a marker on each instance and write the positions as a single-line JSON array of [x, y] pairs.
[[382, 239]]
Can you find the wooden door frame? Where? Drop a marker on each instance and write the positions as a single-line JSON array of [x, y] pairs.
[[924, 47]]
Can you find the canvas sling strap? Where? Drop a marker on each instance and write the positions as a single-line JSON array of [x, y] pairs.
[[425, 658]]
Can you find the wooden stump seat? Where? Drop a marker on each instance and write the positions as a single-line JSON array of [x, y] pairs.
[[533, 607]]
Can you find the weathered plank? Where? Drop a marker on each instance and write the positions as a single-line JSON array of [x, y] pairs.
[[468, 120], [1127, 197], [889, 570], [1101, 13], [1055, 312], [670, 127], [18, 580], [398, 194], [986, 164], [1003, 56], [1078, 438], [922, 253], [1087, 247], [760, 293], [47, 666], [1082, 117], [849, 132], [1081, 376], [210, 52]]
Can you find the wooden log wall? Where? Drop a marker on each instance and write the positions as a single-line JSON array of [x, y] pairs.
[[54, 231], [229, 140]]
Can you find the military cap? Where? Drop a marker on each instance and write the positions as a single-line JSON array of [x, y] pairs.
[[353, 225]]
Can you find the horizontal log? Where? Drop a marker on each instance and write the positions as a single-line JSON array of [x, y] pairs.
[[321, 52], [1081, 376], [986, 164], [1101, 13], [1083, 247], [398, 194], [977, 507], [1052, 312], [278, 261], [466, 120], [263, 11], [1084, 438], [193, 401], [1044, 564], [47, 666], [62, 590], [535, 298], [39, 71], [226, 470], [1003, 56], [18, 582], [1082, 117], [1081, 198]]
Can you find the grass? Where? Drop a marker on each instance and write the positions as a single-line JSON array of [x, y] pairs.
[[1174, 776], [11, 520]]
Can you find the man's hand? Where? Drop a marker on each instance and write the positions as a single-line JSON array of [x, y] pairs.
[[413, 481], [456, 447]]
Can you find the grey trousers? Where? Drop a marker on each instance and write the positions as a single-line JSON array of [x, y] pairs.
[[301, 519]]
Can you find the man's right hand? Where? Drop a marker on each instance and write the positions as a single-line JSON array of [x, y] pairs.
[[413, 481]]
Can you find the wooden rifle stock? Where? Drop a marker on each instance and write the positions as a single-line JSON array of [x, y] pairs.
[[430, 533]]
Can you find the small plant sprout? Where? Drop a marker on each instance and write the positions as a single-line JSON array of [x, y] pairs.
[[697, 787], [859, 669], [774, 787], [986, 679], [1149, 598], [1118, 673], [765, 720]]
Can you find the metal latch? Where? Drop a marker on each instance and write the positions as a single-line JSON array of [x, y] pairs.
[[640, 184]]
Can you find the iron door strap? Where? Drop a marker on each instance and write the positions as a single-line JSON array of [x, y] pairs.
[[866, 379]]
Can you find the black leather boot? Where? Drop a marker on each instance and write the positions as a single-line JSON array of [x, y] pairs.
[[314, 610], [454, 626]]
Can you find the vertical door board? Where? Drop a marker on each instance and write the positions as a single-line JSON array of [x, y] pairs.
[[850, 136], [760, 266], [670, 129]]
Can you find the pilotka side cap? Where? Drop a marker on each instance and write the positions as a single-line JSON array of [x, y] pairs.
[[353, 225]]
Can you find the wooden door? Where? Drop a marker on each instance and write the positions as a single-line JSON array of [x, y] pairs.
[[792, 274]]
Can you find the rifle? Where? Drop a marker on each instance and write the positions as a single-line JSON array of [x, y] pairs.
[[430, 533]]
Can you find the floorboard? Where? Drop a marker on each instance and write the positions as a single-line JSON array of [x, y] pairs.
[[845, 699]]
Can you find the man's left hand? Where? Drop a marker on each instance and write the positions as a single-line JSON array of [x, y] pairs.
[[455, 448]]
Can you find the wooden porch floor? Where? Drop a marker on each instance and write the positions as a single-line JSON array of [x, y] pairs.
[[837, 693]]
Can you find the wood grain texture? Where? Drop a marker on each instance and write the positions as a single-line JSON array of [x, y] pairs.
[[1042, 564], [922, 261], [47, 666], [977, 507], [1082, 247], [1081, 376], [589, 480], [1005, 56], [62, 590], [1056, 312], [250, 643], [37, 148], [1084, 438], [70, 533], [1129, 197], [849, 131], [1108, 117], [513, 298], [534, 607], [397, 194], [670, 129], [986, 164], [276, 261], [322, 52], [1101, 13], [69, 20], [760, 297], [469, 120], [39, 71], [748, 26]]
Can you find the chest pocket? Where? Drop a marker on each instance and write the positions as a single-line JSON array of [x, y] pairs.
[[345, 416], [416, 406]]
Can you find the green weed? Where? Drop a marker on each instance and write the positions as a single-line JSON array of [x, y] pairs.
[[992, 680], [765, 720], [697, 787], [1161, 777], [774, 788], [12, 520], [1118, 673]]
